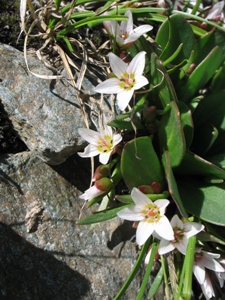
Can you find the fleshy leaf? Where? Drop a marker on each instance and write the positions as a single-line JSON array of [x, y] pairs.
[[193, 164], [171, 135], [140, 164], [172, 185], [174, 32], [203, 201], [187, 123]]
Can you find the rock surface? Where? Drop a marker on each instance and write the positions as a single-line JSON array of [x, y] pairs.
[[44, 254], [45, 113]]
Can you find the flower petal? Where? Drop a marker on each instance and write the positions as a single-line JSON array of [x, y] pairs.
[[144, 230], [137, 64], [117, 65], [117, 139], [164, 229], [192, 228], [127, 26], [176, 222], [89, 151], [140, 199], [140, 81], [182, 245], [165, 247], [162, 204], [104, 157], [109, 86], [123, 98], [199, 272], [130, 214], [212, 264], [91, 193], [89, 135]]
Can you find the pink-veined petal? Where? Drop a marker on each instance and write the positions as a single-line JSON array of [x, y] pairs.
[[110, 27], [117, 65], [140, 199], [162, 204], [126, 26], [212, 264], [123, 98], [109, 86], [176, 222], [89, 135], [192, 228], [182, 246], [199, 272], [144, 230], [130, 214], [207, 288], [137, 64], [104, 157], [165, 247], [164, 229], [136, 33], [215, 10], [140, 81], [89, 151]]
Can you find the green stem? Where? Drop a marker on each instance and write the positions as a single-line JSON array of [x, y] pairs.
[[167, 291], [147, 273]]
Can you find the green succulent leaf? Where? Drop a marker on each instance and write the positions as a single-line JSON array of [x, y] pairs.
[[193, 164], [173, 33], [172, 185], [101, 216], [203, 200], [140, 164], [171, 135], [160, 82], [187, 123], [201, 75]]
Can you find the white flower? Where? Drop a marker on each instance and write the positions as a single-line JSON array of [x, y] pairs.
[[128, 78], [102, 143], [101, 186], [216, 11], [125, 34], [204, 259], [182, 232], [150, 216], [207, 287], [221, 275]]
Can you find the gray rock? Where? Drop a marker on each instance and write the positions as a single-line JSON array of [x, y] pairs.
[[44, 254], [45, 113]]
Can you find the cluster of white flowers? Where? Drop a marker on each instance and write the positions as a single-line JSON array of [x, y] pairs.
[[149, 216]]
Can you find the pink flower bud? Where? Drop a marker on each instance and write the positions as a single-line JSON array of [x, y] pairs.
[[146, 189], [156, 187], [100, 172], [104, 184]]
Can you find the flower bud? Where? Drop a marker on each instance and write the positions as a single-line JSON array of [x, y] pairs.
[[101, 171], [104, 184], [156, 187], [146, 189]]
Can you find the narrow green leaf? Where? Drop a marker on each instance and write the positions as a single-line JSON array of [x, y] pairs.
[[134, 270], [172, 185], [156, 283], [101, 216], [187, 123], [196, 81], [171, 135]]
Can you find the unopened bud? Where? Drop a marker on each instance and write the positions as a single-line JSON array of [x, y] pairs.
[[156, 187], [101, 171], [146, 189], [104, 184], [149, 113]]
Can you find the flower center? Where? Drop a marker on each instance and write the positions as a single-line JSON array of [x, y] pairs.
[[178, 235], [151, 213], [123, 34], [105, 144], [127, 81]]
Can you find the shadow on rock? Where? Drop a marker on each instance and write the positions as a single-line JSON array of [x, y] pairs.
[[27, 272]]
